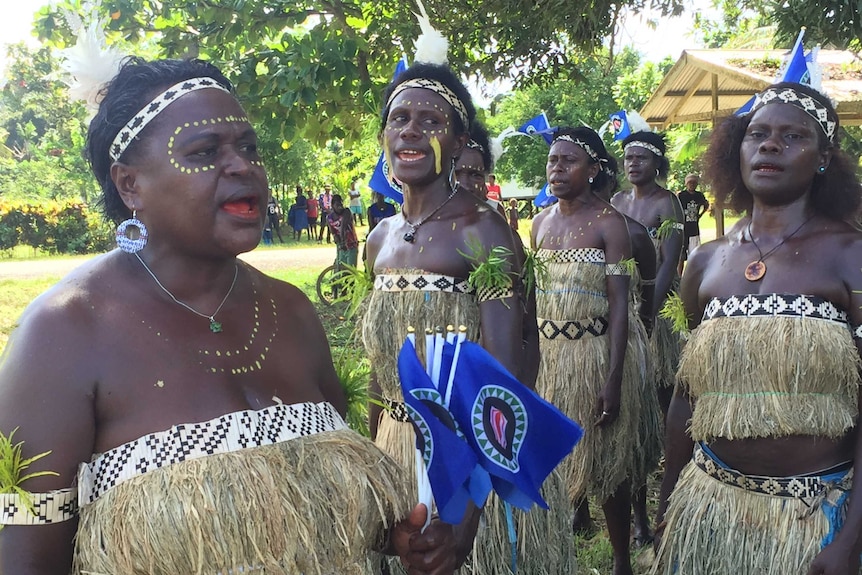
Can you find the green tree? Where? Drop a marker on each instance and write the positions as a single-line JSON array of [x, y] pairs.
[[317, 67], [44, 131], [587, 99]]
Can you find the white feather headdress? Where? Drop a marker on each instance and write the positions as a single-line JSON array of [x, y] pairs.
[[431, 46], [637, 122], [90, 63]]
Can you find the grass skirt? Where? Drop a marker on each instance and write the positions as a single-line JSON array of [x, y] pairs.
[[650, 434], [771, 377], [718, 529], [315, 505], [571, 375]]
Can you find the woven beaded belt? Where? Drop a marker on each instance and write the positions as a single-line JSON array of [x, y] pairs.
[[396, 410], [803, 488], [47, 508], [573, 330]]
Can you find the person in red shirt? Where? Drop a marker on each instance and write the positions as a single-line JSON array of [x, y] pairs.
[[313, 211], [493, 189]]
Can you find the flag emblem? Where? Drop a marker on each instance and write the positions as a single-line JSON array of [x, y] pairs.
[[499, 425]]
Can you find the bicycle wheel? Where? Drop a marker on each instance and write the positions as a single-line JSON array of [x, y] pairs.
[[326, 289]]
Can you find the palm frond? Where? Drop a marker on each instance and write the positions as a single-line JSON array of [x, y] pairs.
[[354, 283], [490, 267], [12, 468], [674, 311], [666, 227]]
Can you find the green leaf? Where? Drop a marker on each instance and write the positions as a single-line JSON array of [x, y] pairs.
[[674, 311]]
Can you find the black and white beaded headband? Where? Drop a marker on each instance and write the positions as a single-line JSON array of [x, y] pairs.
[[140, 120], [438, 87], [802, 101], [474, 145], [585, 146], [645, 145]]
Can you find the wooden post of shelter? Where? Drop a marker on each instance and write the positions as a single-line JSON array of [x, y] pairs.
[[718, 207]]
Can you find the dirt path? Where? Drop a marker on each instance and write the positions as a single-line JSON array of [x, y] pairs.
[[264, 260]]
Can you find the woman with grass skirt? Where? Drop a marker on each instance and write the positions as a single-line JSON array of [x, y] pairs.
[[763, 431], [582, 304], [167, 409], [660, 212], [447, 258]]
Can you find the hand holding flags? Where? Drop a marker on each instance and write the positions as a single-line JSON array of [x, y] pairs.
[[480, 427]]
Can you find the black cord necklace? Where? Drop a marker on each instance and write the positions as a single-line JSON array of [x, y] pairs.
[[410, 236], [757, 269]]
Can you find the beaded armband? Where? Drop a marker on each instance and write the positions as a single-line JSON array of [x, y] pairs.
[[678, 226], [616, 270], [484, 294], [648, 282], [50, 507], [857, 332]]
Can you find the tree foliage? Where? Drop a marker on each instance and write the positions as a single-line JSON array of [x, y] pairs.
[[43, 132], [586, 100], [316, 68]]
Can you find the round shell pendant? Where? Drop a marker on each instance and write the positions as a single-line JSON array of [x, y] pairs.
[[755, 271]]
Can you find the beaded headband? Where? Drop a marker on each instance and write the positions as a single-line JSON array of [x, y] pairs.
[[140, 120], [474, 145], [440, 89], [585, 146], [646, 145], [802, 101]]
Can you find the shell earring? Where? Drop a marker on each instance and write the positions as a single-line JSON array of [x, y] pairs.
[[128, 244], [590, 179]]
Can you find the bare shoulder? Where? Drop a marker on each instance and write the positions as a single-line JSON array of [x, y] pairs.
[[488, 225], [61, 326], [376, 239], [290, 300], [621, 198], [848, 253]]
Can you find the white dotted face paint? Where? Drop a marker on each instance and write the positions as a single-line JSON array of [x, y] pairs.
[[183, 165]]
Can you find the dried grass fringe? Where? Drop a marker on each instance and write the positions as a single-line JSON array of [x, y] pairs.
[[571, 374], [650, 435], [314, 505], [718, 529], [771, 377], [388, 315]]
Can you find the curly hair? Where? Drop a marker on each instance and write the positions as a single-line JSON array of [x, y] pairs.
[[836, 193], [657, 140], [479, 134], [445, 76], [135, 85], [589, 136]]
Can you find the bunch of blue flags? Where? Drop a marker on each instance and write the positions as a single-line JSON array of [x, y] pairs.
[[478, 428]]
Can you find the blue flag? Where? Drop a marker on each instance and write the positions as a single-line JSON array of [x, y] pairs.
[[795, 70], [619, 125], [451, 463], [381, 181], [518, 437], [538, 125], [544, 198]]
